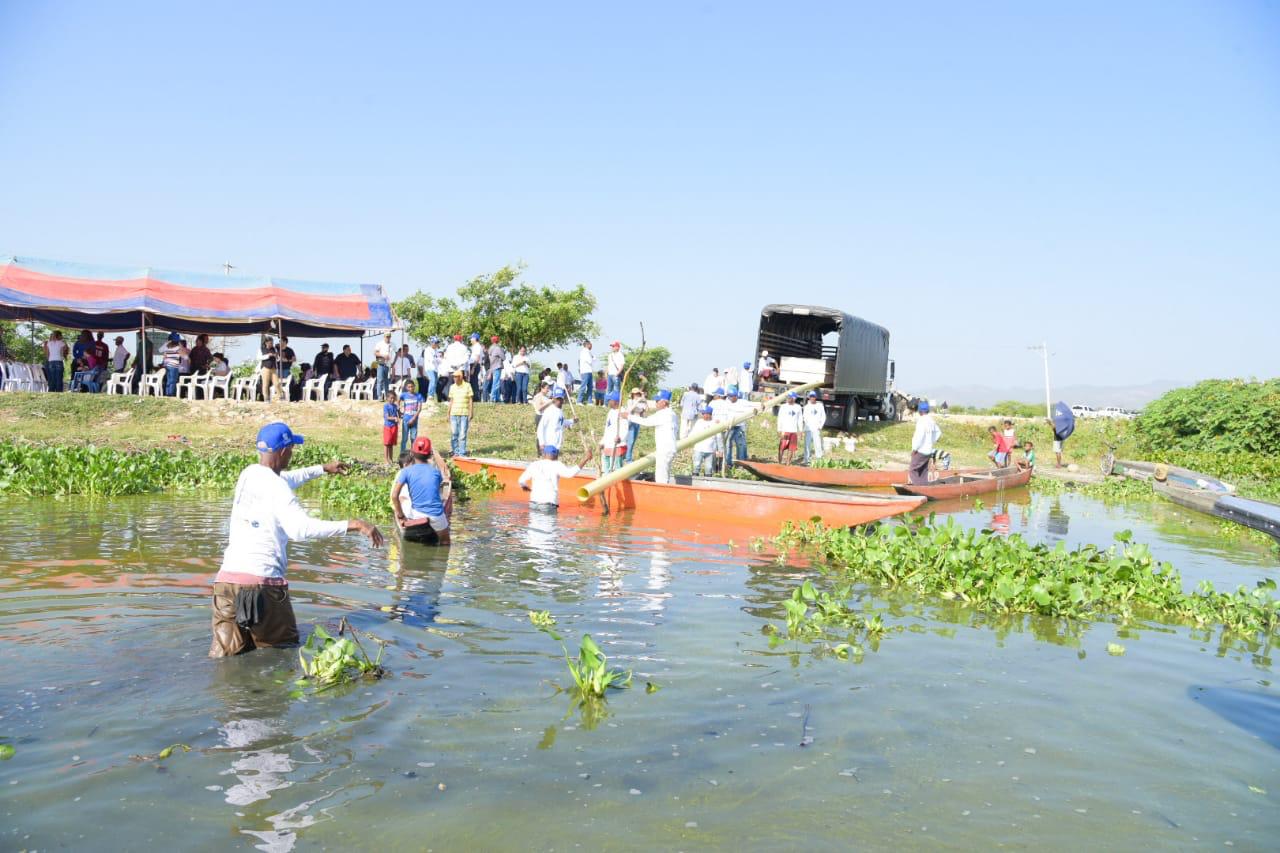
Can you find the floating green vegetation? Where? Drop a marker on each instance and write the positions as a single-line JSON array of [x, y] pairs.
[[825, 619], [843, 464], [328, 661], [7, 750], [1109, 490], [1008, 575], [168, 750], [35, 470], [592, 677]]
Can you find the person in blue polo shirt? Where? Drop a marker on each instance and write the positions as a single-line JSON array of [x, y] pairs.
[[426, 518]]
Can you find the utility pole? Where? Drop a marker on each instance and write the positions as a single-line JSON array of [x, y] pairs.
[[227, 268], [1044, 351]]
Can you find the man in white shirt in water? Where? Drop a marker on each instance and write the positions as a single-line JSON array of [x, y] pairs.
[[664, 426], [542, 478], [251, 605]]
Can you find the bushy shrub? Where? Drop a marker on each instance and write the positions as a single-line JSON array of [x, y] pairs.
[[1230, 416]]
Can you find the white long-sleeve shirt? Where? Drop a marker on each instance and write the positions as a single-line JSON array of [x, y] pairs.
[[551, 427], [925, 436], [265, 515], [455, 356], [663, 422], [789, 416], [543, 479], [815, 417], [711, 443], [615, 430], [586, 360]]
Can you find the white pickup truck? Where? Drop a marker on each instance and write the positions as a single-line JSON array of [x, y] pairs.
[[1083, 412]]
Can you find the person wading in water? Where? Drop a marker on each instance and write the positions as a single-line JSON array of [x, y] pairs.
[[251, 605]]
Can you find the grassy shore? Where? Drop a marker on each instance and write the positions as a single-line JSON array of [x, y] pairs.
[[354, 428]]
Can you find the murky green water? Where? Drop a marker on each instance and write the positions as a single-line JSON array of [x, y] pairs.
[[958, 732]]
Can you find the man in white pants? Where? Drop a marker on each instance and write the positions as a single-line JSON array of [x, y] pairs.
[[664, 426], [814, 418]]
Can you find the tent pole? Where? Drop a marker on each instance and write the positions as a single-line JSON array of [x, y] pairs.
[[141, 356]]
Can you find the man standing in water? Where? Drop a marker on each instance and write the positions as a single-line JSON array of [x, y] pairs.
[[251, 605], [923, 444]]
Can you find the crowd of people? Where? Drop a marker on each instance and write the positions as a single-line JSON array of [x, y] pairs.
[[90, 362]]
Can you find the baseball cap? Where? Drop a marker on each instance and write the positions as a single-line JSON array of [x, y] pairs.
[[813, 393], [616, 344], [613, 397], [494, 339], [706, 410], [475, 336], [764, 352], [791, 395], [719, 392], [433, 340], [924, 406], [733, 392], [277, 436], [550, 448], [174, 336], [457, 337], [422, 445], [746, 364], [557, 394], [664, 395]]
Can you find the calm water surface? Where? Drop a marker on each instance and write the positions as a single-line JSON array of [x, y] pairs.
[[959, 732]]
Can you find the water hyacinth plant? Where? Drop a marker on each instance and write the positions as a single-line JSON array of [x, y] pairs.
[[327, 661], [1006, 575], [591, 674]]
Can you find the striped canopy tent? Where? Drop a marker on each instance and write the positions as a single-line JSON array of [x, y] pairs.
[[87, 296]]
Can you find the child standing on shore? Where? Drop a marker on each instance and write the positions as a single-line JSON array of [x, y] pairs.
[[390, 424]]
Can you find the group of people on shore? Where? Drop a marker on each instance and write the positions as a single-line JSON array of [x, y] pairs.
[[93, 361]]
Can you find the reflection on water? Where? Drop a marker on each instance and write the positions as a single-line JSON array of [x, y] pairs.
[[962, 729]]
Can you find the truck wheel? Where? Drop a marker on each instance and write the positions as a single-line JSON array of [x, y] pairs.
[[850, 415]]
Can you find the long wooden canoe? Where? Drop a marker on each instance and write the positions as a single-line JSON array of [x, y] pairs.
[[737, 503], [968, 485], [799, 475], [1158, 472], [1258, 515]]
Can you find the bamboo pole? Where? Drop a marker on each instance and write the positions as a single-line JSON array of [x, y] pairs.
[[596, 485]]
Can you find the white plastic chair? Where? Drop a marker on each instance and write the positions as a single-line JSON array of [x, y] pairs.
[[213, 383], [36, 377], [340, 388], [153, 384], [362, 390], [314, 389], [119, 383], [187, 386], [242, 388]]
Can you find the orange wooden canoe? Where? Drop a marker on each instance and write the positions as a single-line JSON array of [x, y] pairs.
[[968, 485], [738, 503], [859, 478]]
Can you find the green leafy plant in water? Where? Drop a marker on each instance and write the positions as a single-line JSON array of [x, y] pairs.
[[328, 661], [7, 750], [824, 617], [842, 464], [168, 750], [591, 674], [1007, 575]]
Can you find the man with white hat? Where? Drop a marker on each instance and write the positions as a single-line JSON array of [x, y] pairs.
[[664, 426], [789, 418], [767, 366]]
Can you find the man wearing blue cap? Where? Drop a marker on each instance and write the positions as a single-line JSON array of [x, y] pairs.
[[251, 605], [789, 421], [613, 444], [746, 383], [542, 478], [736, 440], [923, 444], [552, 423], [706, 449], [664, 426]]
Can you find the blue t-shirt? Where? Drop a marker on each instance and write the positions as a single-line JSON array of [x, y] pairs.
[[410, 403], [423, 480], [390, 415]]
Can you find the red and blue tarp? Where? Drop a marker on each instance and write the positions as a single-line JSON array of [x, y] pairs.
[[95, 297]]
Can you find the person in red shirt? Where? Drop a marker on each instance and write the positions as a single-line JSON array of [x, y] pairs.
[[999, 456]]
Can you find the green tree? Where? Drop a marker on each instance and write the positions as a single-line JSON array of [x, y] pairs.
[[521, 314], [654, 364], [16, 341]]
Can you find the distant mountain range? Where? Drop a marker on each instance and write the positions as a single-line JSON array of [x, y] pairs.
[[1125, 396]]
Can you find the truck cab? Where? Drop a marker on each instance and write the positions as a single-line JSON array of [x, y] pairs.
[[850, 356]]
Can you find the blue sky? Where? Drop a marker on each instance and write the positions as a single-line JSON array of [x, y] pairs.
[[975, 177]]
